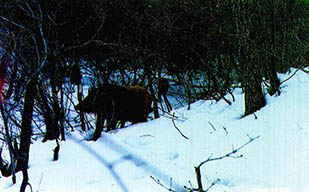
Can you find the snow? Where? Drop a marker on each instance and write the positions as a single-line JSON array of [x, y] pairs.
[[134, 158]]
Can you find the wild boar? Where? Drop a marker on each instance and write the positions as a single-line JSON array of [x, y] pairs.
[[116, 103]]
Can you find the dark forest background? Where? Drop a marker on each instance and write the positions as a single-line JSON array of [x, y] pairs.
[[205, 48]]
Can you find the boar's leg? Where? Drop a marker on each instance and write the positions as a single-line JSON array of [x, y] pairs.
[[98, 127], [111, 125], [112, 120]]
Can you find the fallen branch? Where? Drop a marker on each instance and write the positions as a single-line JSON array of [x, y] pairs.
[[178, 129], [171, 115]]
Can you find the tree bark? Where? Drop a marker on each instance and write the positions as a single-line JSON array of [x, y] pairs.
[[251, 80], [81, 115], [62, 116], [254, 97], [26, 127], [271, 68], [50, 116]]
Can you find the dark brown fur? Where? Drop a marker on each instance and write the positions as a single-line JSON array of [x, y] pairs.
[[118, 103]]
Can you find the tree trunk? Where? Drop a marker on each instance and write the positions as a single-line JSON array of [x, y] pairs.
[[155, 103], [80, 98], [26, 128], [56, 109], [50, 117], [251, 83], [62, 116], [250, 73], [254, 97], [271, 68]]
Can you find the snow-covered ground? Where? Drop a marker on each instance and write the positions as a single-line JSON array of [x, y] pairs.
[[134, 158]]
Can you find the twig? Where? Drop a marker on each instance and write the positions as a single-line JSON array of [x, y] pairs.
[[199, 190], [198, 171], [231, 153], [304, 70], [212, 126], [178, 129], [40, 183], [290, 76], [174, 118], [224, 128], [12, 22], [170, 115], [226, 100], [159, 183], [213, 184]]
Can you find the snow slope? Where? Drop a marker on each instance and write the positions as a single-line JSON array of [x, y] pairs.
[[133, 158]]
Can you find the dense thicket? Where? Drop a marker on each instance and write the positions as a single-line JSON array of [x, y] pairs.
[[204, 48]]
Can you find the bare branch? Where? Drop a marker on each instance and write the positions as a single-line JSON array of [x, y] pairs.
[[178, 129], [230, 155], [290, 76], [159, 183], [12, 22], [212, 126]]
